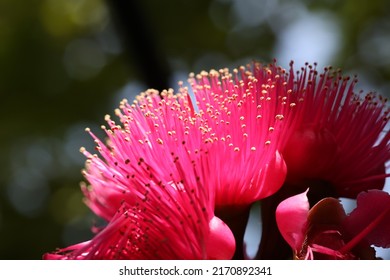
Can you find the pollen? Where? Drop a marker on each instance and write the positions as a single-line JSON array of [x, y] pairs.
[[279, 117]]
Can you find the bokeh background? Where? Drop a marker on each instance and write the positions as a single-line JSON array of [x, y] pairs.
[[64, 64]]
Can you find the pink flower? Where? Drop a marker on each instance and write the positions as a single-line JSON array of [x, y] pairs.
[[230, 134], [338, 136], [326, 232], [245, 121], [335, 141], [171, 162], [151, 186]]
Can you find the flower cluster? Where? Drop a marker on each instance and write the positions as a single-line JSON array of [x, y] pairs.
[[177, 177]]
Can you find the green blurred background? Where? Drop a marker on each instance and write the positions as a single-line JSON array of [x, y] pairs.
[[64, 64]]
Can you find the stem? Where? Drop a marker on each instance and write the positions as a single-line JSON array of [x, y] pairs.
[[272, 245], [140, 41]]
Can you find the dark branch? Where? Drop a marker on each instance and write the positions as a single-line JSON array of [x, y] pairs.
[[140, 42]]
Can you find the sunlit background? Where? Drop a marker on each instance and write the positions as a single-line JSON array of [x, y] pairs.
[[64, 64]]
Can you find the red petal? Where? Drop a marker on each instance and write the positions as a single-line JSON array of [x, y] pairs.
[[291, 217], [370, 220]]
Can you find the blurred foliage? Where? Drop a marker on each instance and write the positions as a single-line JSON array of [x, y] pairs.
[[64, 64]]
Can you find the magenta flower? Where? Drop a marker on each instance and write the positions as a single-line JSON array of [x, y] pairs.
[[245, 121], [151, 186], [167, 155], [335, 141], [326, 232], [235, 126], [338, 136]]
